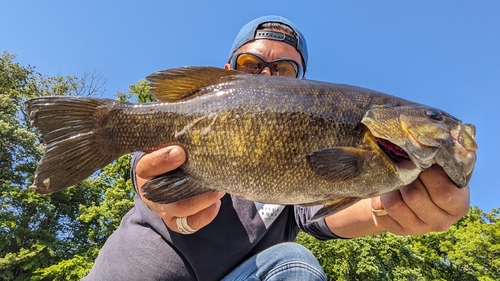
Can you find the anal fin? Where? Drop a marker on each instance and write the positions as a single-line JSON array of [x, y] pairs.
[[334, 206]]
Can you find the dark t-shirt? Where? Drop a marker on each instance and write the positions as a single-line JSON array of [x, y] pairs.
[[143, 248]]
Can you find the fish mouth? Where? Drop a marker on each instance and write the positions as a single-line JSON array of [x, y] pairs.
[[393, 152], [407, 170]]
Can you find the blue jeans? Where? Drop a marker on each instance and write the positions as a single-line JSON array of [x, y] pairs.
[[285, 261]]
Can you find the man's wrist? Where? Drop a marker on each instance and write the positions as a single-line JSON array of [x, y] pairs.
[[355, 221]]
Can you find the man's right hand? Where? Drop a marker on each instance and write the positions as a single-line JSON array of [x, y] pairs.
[[199, 210]]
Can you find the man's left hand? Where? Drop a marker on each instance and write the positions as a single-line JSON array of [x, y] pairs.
[[431, 203]]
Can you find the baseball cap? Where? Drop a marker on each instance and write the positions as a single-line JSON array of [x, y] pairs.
[[249, 32]]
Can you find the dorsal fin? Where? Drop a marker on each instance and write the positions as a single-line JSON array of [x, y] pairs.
[[183, 83]]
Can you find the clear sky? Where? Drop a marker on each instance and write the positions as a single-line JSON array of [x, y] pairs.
[[441, 53]]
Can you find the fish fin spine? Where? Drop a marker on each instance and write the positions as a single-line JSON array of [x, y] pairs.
[[333, 206], [172, 187]]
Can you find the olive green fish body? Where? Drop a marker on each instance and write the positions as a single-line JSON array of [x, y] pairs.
[[268, 139], [246, 138]]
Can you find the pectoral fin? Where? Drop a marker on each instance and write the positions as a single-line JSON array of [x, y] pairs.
[[172, 187], [334, 206], [338, 163]]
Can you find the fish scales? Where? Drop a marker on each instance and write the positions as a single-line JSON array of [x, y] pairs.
[[268, 139], [259, 133]]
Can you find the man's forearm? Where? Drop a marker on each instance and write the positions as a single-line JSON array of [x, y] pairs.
[[355, 221]]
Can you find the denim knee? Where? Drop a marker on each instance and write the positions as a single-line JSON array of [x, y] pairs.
[[292, 262], [285, 261], [290, 251]]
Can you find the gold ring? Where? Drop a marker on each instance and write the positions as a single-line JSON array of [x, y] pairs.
[[379, 213], [184, 227]]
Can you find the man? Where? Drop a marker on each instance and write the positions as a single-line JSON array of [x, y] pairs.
[[219, 236]]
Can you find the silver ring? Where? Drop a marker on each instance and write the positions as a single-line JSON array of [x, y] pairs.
[[379, 213], [184, 227]]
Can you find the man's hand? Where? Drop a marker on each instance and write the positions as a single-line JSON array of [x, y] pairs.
[[199, 210], [431, 203]]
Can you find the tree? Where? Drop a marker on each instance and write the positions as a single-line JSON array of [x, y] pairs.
[[53, 236], [469, 250]]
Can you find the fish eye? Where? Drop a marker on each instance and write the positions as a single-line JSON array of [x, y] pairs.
[[434, 114]]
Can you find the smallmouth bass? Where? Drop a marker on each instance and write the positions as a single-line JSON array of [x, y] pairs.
[[269, 139]]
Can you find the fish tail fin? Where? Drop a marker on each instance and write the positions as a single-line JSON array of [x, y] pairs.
[[67, 126]]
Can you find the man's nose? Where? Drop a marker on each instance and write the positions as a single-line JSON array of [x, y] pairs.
[[266, 71]]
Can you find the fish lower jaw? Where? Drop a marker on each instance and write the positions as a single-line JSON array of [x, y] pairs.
[[407, 171]]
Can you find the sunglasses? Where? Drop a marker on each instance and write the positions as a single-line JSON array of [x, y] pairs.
[[254, 64]]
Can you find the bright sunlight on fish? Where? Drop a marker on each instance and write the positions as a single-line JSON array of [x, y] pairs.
[[266, 138]]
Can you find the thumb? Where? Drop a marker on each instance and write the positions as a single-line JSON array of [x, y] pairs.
[[160, 161]]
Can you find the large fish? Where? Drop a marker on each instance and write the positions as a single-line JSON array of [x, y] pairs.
[[269, 139]]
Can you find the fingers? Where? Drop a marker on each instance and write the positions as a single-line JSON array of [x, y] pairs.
[[388, 222], [430, 203], [160, 161], [199, 211], [194, 205], [444, 193]]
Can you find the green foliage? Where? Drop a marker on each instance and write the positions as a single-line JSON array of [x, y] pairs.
[[140, 91], [56, 236], [103, 201], [382, 257], [469, 250]]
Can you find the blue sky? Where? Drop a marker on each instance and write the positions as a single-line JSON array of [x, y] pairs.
[[442, 53]]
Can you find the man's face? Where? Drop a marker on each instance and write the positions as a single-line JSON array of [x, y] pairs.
[[269, 50]]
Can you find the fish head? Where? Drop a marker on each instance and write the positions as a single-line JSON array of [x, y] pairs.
[[425, 136], [458, 160]]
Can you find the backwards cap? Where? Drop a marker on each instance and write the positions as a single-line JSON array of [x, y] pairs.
[[249, 32]]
